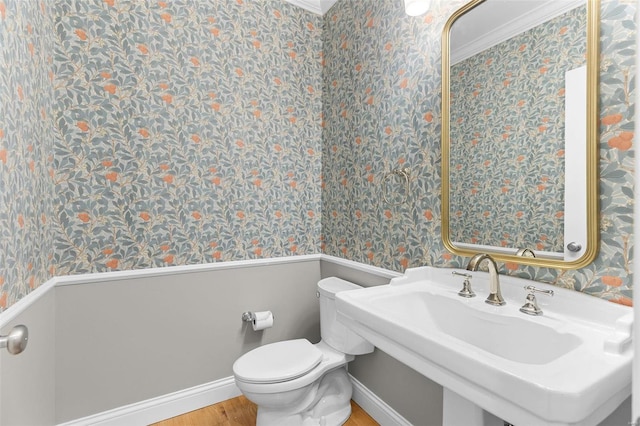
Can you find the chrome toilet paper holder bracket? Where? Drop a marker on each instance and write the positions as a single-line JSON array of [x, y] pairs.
[[248, 316]]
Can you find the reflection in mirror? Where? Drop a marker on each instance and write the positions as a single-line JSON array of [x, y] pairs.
[[516, 139]]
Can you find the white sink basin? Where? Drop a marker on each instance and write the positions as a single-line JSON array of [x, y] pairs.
[[570, 366], [513, 338]]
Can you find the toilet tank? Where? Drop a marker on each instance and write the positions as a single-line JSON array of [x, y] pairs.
[[333, 332]]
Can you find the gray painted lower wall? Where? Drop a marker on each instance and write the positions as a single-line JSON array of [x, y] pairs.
[[27, 381], [126, 341], [99, 345]]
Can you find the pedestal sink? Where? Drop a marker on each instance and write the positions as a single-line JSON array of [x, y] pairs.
[[569, 366]]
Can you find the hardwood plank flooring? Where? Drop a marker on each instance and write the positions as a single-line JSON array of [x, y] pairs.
[[242, 412]]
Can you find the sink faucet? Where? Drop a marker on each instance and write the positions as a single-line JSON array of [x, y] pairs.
[[495, 298]]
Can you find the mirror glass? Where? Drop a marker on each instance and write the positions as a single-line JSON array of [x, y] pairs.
[[519, 131]]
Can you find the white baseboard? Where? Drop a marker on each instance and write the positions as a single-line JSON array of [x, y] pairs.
[[376, 407], [177, 403], [163, 407]]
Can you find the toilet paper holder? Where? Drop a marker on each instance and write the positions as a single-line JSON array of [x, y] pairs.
[[248, 316]]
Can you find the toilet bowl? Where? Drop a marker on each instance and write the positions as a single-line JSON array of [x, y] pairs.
[[295, 382]]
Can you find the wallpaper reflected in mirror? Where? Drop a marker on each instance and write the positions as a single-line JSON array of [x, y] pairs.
[[508, 136]]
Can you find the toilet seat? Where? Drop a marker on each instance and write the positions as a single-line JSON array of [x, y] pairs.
[[277, 362], [330, 360]]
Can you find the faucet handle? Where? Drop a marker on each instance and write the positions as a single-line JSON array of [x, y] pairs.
[[466, 285], [531, 307]]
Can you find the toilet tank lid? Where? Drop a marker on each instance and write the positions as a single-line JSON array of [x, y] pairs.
[[328, 287], [277, 362]]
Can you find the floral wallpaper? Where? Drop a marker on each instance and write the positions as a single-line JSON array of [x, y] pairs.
[[187, 132], [381, 109], [508, 133], [144, 133], [26, 137]]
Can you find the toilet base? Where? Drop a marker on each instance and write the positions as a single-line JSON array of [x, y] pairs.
[[327, 403]]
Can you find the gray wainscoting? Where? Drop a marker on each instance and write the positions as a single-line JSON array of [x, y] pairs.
[[103, 344], [121, 342], [27, 380], [99, 344]]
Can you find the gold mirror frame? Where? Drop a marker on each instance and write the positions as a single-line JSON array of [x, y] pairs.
[[593, 32]]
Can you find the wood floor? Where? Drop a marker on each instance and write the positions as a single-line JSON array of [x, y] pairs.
[[242, 412]]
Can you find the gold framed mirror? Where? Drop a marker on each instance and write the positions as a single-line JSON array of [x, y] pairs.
[[520, 131]]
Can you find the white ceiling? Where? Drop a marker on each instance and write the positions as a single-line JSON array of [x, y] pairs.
[[495, 21], [490, 23], [316, 6]]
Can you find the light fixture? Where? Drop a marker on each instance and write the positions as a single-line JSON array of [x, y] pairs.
[[416, 7]]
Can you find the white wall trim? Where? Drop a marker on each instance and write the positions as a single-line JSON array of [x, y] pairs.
[[25, 303], [163, 407], [310, 5], [520, 24], [21, 305], [319, 7], [376, 407], [181, 269], [375, 270]]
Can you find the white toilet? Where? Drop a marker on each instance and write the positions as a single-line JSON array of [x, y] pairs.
[[298, 383]]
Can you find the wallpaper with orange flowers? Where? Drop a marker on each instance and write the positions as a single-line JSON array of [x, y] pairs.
[[144, 133], [189, 132], [26, 136], [507, 137], [382, 112]]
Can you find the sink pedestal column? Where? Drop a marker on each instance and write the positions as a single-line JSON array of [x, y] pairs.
[[457, 410]]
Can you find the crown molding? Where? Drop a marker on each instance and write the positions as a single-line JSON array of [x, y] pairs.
[[515, 26], [319, 7]]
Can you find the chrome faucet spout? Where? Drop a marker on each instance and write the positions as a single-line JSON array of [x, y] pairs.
[[495, 297]]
